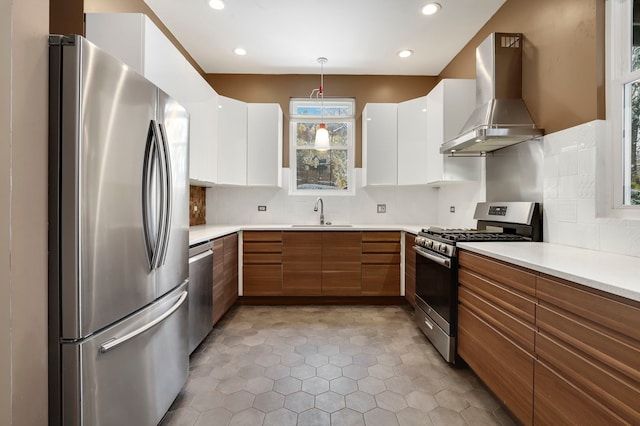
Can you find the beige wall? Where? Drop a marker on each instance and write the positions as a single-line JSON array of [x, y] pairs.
[[23, 216], [5, 211], [563, 59], [279, 88]]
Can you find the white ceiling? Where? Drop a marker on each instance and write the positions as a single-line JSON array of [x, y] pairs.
[[357, 36]]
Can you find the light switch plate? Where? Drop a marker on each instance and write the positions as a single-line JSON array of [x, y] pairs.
[[452, 209], [382, 208], [262, 208]]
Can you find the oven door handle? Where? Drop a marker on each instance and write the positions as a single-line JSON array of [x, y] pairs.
[[439, 260]]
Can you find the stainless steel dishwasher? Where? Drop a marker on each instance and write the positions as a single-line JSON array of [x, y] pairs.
[[200, 292]]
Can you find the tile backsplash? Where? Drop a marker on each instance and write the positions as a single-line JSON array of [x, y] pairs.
[[404, 205], [570, 176], [197, 205]]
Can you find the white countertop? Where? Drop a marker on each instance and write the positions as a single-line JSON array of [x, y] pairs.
[[207, 232], [614, 273]]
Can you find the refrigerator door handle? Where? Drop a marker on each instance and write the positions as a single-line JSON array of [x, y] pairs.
[[112, 343], [150, 159], [168, 202]]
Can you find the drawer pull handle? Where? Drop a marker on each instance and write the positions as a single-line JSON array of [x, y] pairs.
[[428, 324]]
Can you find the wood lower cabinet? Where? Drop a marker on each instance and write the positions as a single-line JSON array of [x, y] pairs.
[[321, 263], [409, 269], [302, 263], [588, 350], [496, 330], [225, 275], [262, 263], [341, 263], [380, 263], [555, 352]]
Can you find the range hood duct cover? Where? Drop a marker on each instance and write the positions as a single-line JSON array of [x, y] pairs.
[[501, 118]]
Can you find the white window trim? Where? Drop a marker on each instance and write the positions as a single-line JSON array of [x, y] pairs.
[[610, 195], [350, 148]]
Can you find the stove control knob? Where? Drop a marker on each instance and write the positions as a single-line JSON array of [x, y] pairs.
[[443, 249], [436, 246], [429, 243]]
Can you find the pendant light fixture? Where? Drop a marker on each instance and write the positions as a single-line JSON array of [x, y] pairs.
[[322, 134]]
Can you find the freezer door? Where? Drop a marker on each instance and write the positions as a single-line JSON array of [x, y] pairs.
[[173, 121], [130, 373], [107, 120]]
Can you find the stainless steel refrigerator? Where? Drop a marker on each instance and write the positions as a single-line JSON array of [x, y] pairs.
[[118, 240]]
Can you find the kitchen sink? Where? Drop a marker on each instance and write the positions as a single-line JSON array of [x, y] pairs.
[[322, 226]]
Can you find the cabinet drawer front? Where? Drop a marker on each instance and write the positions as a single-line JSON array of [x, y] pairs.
[[262, 258], [619, 314], [342, 279], [381, 236], [382, 258], [341, 247], [262, 247], [517, 303], [520, 332], [262, 280], [380, 280], [301, 279], [376, 247], [618, 352], [619, 394], [513, 276], [262, 236], [302, 246], [507, 370], [557, 402]]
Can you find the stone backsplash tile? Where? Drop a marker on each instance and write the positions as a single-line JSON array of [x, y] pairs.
[[197, 205]]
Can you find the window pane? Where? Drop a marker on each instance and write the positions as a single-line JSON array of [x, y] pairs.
[[338, 133], [312, 107], [633, 140], [322, 170], [635, 28]]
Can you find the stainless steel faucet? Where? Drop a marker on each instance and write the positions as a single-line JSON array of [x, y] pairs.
[[315, 209]]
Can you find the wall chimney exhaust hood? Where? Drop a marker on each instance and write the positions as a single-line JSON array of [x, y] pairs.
[[501, 118]]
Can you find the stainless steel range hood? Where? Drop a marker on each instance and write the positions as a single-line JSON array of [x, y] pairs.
[[501, 118]]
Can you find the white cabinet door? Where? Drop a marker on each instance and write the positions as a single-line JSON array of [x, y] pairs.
[[136, 41], [412, 141], [380, 144], [164, 65], [202, 104], [232, 142], [264, 146], [449, 105]]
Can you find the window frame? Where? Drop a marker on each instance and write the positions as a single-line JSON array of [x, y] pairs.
[[611, 191], [295, 118]]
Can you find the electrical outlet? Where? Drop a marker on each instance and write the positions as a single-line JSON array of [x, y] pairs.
[[262, 208], [382, 208], [452, 209]]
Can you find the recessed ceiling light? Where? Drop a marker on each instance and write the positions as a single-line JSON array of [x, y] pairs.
[[405, 53], [239, 51], [431, 8], [216, 4]]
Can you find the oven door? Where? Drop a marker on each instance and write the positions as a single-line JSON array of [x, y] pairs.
[[436, 292]]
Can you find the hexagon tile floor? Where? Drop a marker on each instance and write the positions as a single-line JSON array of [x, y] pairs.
[[326, 365]]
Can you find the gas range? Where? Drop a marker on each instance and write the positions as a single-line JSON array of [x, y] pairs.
[[437, 264], [514, 221]]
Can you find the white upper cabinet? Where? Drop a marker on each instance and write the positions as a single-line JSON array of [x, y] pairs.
[[136, 41], [264, 150], [380, 144], [202, 104], [232, 141], [449, 105], [412, 141]]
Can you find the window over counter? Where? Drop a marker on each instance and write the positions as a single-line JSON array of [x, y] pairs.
[[322, 172], [623, 109]]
